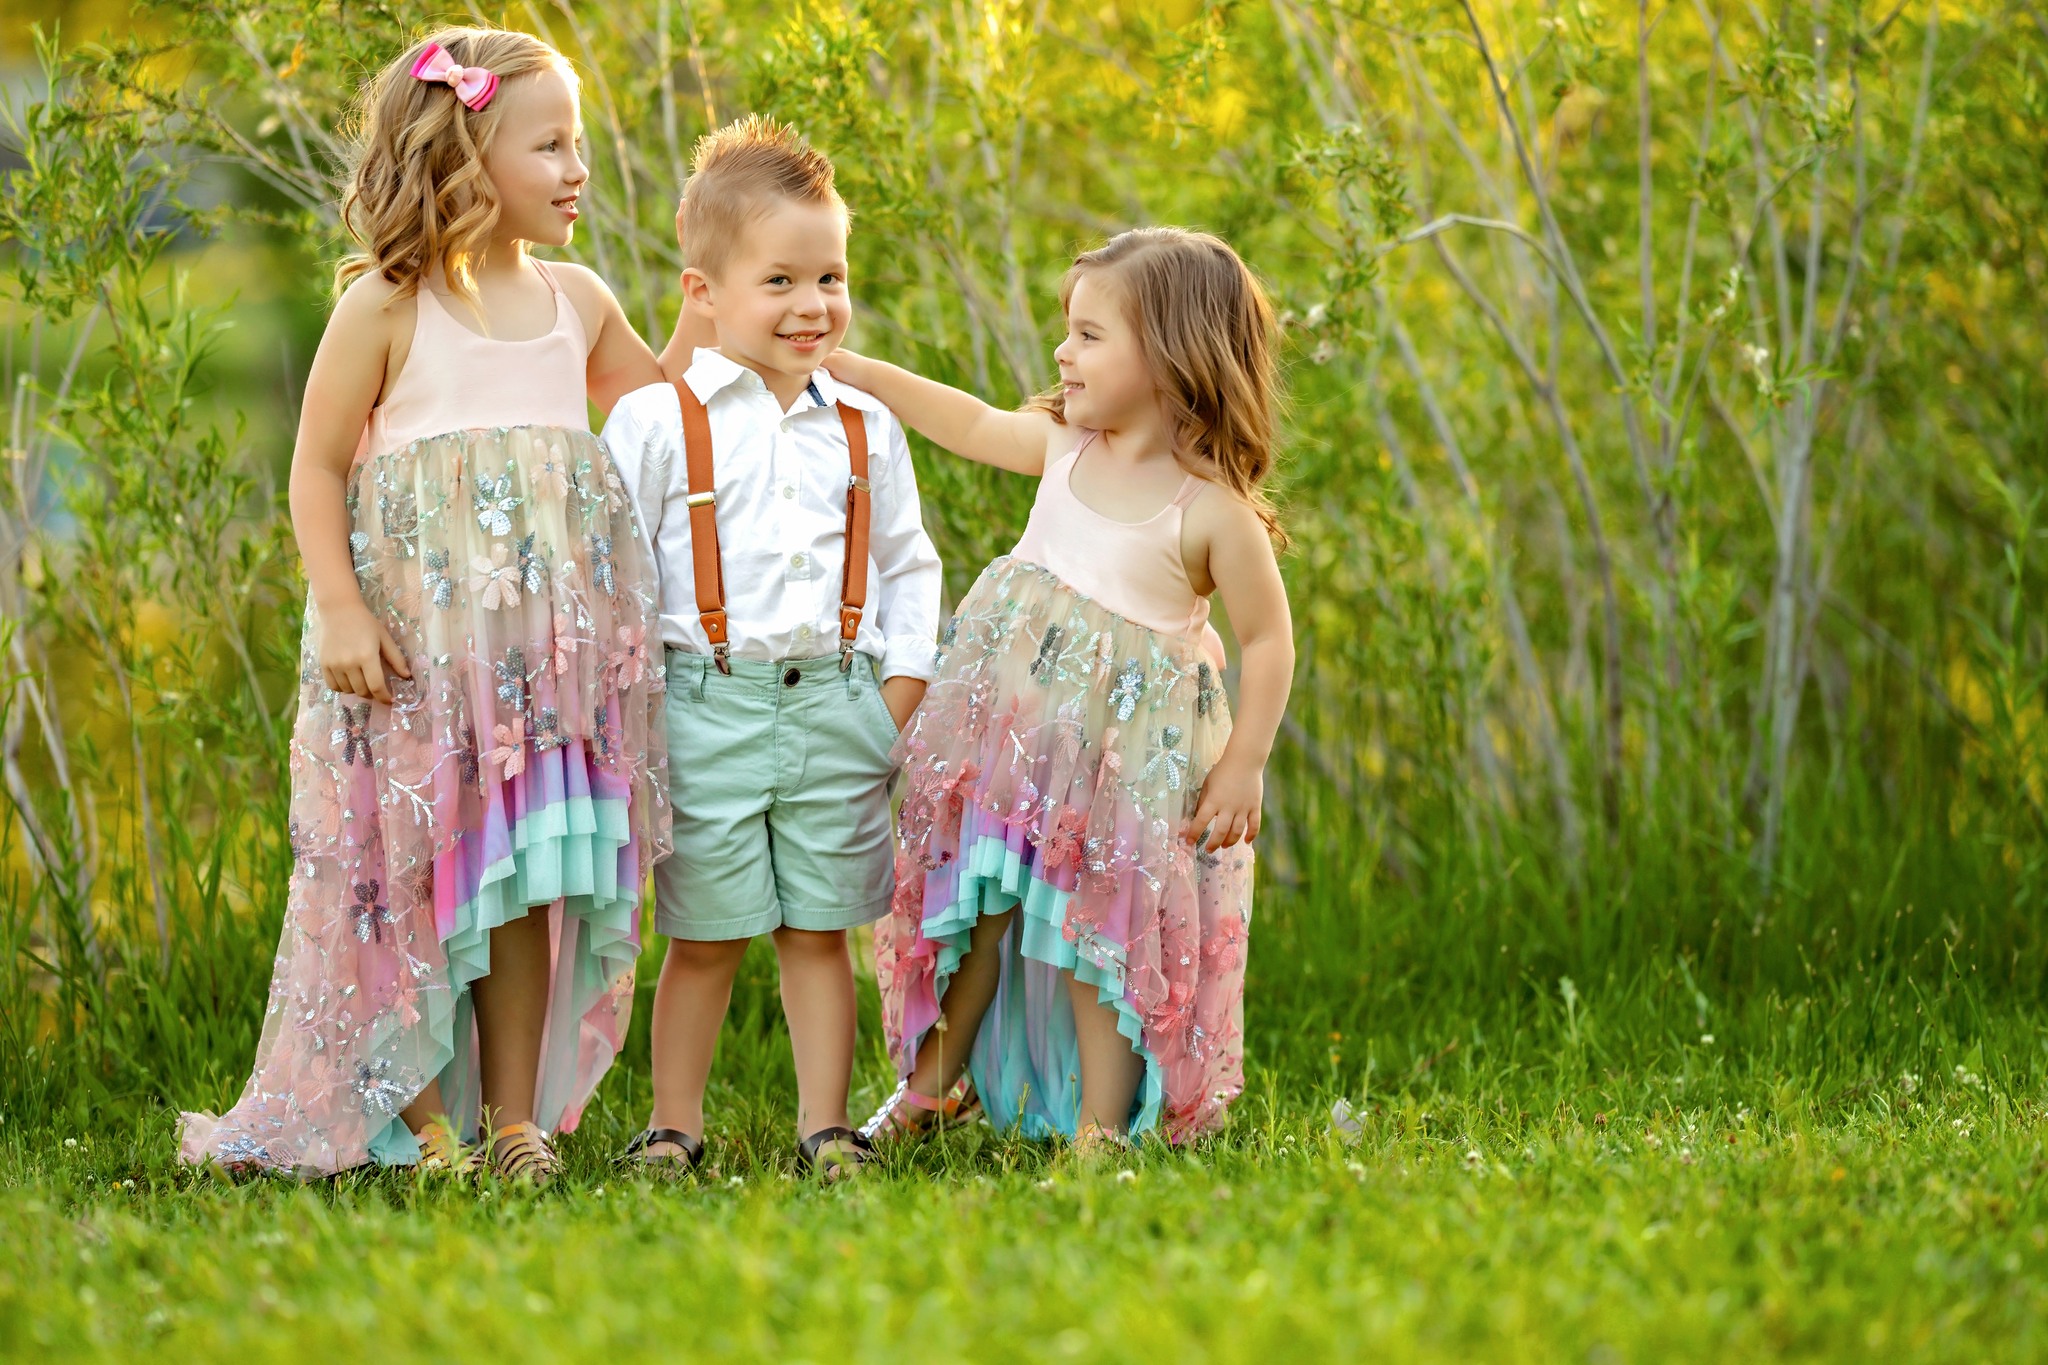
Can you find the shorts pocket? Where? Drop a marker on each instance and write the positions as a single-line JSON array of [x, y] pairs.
[[881, 706]]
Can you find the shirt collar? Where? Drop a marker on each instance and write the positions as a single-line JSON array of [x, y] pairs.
[[835, 392], [711, 373]]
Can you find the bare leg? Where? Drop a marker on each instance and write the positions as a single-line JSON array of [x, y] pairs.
[[511, 1012], [426, 1107], [818, 1002], [689, 1010], [1110, 1067], [943, 1055]]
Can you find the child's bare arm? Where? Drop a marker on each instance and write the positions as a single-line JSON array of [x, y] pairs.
[[341, 388], [620, 360], [1018, 441], [693, 330], [1242, 566]]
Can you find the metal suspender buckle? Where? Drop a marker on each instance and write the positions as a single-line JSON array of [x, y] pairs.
[[719, 656], [849, 631]]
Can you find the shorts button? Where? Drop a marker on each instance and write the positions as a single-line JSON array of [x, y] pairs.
[[791, 678]]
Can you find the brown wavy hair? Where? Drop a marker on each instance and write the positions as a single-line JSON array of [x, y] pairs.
[[417, 195], [1207, 334]]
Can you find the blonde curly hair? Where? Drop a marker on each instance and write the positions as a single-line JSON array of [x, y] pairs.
[[417, 195]]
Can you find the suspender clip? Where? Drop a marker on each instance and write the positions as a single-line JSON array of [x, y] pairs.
[[719, 656]]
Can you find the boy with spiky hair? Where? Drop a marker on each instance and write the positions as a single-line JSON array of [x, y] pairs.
[[800, 605]]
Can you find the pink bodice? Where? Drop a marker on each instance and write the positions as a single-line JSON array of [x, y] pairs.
[[456, 380], [1134, 568]]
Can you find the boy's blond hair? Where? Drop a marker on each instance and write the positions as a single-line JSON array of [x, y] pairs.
[[736, 175]]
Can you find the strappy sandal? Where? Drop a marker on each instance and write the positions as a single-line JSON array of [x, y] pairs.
[[520, 1152], [907, 1114], [684, 1162], [442, 1153], [834, 1153], [1095, 1143]]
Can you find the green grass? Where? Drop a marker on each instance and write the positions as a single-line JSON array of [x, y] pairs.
[[1900, 1229], [1535, 1193]]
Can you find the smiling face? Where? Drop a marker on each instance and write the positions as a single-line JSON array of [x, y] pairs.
[[1103, 375], [534, 161], [779, 300]]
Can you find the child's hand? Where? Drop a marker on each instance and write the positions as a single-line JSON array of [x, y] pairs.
[[902, 696], [354, 650], [850, 367], [1229, 808]]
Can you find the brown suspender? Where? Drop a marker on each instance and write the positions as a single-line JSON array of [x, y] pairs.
[[709, 569]]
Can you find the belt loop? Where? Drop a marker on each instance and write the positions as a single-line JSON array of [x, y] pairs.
[[702, 664]]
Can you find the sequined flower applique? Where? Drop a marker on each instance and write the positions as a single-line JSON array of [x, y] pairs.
[[495, 503]]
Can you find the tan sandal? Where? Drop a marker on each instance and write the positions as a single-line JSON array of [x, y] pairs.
[[1094, 1143], [907, 1114], [520, 1152], [443, 1153]]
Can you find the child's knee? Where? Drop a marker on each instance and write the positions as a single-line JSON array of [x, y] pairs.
[[704, 955], [992, 926], [810, 945]]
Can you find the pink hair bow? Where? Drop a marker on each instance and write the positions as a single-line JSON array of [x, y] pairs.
[[473, 85]]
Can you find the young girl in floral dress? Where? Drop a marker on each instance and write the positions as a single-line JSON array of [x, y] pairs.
[[479, 782], [1074, 891]]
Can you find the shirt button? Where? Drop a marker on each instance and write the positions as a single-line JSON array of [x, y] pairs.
[[803, 632], [791, 678], [789, 490], [796, 561]]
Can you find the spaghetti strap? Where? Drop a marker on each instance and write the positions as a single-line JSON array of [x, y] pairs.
[[1190, 489], [546, 274]]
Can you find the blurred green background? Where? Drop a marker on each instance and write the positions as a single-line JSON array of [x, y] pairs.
[[1664, 456]]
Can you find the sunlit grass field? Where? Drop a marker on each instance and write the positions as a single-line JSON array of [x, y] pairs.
[[1591, 1185]]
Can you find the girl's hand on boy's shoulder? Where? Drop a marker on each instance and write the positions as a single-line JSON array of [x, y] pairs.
[[851, 367], [1229, 807]]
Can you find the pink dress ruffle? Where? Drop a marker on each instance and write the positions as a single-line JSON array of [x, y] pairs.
[[523, 765], [1050, 768]]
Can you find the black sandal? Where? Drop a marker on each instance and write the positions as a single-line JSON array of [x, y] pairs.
[[690, 1158], [834, 1153]]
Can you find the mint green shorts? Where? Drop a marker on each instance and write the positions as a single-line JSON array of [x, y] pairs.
[[779, 776]]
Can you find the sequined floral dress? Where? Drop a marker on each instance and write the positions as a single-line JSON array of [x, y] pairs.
[[524, 764], [1076, 714]]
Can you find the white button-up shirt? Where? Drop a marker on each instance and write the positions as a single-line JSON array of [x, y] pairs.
[[781, 480]]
